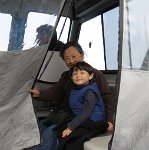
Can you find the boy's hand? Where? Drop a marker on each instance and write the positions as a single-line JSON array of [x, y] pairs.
[[110, 128], [66, 132]]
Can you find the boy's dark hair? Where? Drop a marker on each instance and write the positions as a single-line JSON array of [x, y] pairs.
[[82, 66], [71, 44]]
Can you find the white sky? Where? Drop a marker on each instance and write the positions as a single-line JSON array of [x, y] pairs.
[[5, 25]]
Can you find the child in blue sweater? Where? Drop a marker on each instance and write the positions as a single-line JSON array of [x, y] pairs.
[[85, 99]]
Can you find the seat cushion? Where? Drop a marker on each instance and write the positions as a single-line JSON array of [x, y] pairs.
[[98, 143]]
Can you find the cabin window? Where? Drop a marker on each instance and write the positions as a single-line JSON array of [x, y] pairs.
[[101, 54], [33, 22], [5, 26], [136, 36], [111, 29], [65, 32], [91, 40]]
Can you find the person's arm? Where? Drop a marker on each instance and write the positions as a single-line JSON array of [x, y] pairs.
[[53, 93], [89, 104], [108, 97]]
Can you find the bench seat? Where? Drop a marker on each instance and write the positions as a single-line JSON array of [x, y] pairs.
[[98, 143]]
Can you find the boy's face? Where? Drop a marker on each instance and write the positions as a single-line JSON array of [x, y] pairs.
[[81, 77]]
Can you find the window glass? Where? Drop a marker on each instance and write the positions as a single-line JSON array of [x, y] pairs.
[[65, 31], [111, 29], [136, 36], [5, 25], [20, 26], [33, 22], [91, 41], [30, 33]]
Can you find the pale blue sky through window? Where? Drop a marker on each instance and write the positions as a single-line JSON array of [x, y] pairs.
[[5, 25]]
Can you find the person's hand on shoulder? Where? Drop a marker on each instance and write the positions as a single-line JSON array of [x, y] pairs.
[[35, 92]]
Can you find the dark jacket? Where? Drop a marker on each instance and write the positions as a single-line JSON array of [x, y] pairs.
[[61, 91]]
